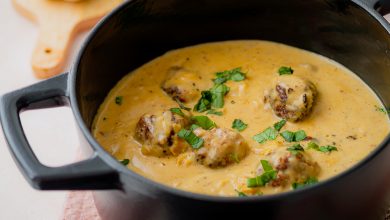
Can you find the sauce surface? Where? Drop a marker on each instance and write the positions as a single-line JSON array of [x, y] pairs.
[[344, 114]]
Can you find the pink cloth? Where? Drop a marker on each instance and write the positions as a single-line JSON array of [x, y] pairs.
[[79, 205]]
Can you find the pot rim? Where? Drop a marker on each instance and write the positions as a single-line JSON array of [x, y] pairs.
[[113, 163]]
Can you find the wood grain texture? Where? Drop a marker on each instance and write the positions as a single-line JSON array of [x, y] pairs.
[[59, 22]]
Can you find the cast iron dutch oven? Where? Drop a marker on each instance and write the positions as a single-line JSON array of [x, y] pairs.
[[351, 32]]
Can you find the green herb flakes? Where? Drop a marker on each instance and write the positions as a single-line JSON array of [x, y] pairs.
[[295, 149], [204, 102], [240, 194], [383, 110], [324, 149], [181, 105], [268, 134], [308, 181], [214, 112], [119, 100], [234, 74], [268, 175], [218, 93], [193, 140], [239, 125], [300, 135], [203, 122], [284, 70], [125, 162], [177, 111], [290, 136], [194, 126], [279, 125]]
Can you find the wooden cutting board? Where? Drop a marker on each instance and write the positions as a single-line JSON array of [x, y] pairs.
[[59, 21]]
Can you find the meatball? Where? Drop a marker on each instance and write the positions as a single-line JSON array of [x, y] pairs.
[[292, 168], [291, 97], [221, 147], [158, 134], [182, 85]]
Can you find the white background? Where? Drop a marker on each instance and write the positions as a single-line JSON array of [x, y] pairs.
[[51, 132]]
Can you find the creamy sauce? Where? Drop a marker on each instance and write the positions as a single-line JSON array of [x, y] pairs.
[[344, 113]]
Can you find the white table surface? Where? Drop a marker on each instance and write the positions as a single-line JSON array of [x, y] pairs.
[[51, 132]]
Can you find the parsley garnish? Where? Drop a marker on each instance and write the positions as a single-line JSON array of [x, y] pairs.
[[193, 140], [279, 125], [239, 125], [125, 162], [268, 134], [218, 92], [204, 102], [119, 100], [203, 122], [181, 105], [214, 97], [240, 194], [308, 181], [290, 136], [324, 149], [268, 175], [284, 70], [295, 149], [177, 111], [194, 126], [383, 110], [214, 112], [233, 74]]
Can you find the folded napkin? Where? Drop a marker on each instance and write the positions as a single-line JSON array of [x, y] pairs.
[[79, 205]]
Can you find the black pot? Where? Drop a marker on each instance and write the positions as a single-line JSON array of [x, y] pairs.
[[350, 32]]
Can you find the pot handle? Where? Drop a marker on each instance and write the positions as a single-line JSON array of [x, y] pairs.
[[92, 173]]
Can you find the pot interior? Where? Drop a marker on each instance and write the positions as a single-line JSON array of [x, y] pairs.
[[144, 29]]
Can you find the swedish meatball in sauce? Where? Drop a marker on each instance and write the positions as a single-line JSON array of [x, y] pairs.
[[261, 131]]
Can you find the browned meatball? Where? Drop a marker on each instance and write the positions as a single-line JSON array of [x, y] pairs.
[[182, 85], [292, 168], [221, 147], [158, 134], [291, 97]]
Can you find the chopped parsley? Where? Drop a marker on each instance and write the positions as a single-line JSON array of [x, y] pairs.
[[177, 111], [240, 194], [324, 149], [194, 126], [308, 181], [203, 122], [234, 74], [119, 100], [284, 70], [382, 109], [125, 162], [295, 149], [239, 125], [214, 97], [268, 175], [290, 136], [279, 125], [181, 105], [189, 136], [214, 112], [218, 92], [204, 102], [268, 134]]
